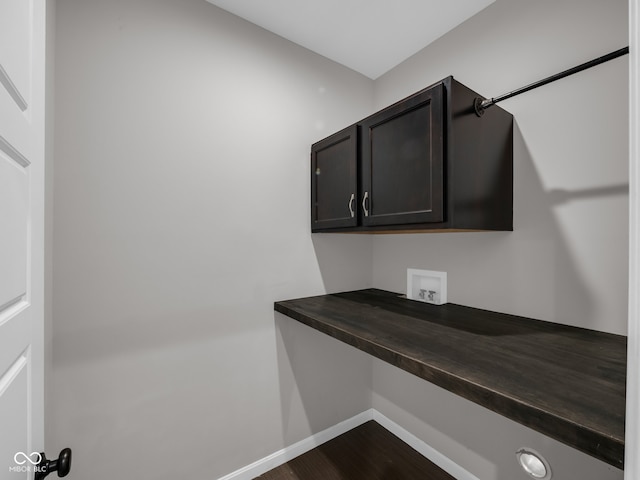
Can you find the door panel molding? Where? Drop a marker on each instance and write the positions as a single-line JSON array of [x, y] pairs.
[[13, 153], [14, 370], [4, 309], [14, 222], [15, 414], [12, 90]]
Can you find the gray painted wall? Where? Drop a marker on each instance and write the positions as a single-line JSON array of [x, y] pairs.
[[567, 259], [181, 214]]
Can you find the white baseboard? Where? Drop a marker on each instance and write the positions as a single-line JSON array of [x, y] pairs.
[[280, 457], [289, 453], [445, 463]]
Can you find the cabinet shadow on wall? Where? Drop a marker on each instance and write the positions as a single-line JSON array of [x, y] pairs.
[[554, 263], [345, 260]]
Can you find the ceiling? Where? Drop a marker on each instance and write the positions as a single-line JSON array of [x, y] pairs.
[[368, 36]]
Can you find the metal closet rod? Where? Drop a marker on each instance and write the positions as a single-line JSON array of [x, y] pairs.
[[481, 104]]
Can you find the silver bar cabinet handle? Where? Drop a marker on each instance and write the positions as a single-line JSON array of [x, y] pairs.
[[353, 197], [364, 204]]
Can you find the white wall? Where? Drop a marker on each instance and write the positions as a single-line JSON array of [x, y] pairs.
[[181, 214], [566, 260]]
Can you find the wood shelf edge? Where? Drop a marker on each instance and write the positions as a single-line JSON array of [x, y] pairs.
[[603, 445]]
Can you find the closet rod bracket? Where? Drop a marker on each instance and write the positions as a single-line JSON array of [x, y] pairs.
[[480, 105]]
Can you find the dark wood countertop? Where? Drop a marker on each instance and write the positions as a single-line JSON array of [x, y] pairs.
[[565, 382]]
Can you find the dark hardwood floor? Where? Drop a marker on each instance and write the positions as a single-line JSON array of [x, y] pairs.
[[368, 452]]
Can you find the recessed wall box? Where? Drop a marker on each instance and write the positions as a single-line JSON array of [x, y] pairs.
[[427, 286]]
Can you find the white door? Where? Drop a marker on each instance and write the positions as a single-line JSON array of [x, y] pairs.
[[22, 74]]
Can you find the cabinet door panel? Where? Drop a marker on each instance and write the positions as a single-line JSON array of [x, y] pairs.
[[402, 167], [334, 181]]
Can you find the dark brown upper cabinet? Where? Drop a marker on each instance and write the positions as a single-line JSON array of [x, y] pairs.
[[425, 163], [334, 181], [402, 162]]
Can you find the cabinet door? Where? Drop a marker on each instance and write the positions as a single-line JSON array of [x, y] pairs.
[[334, 181], [403, 162]]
